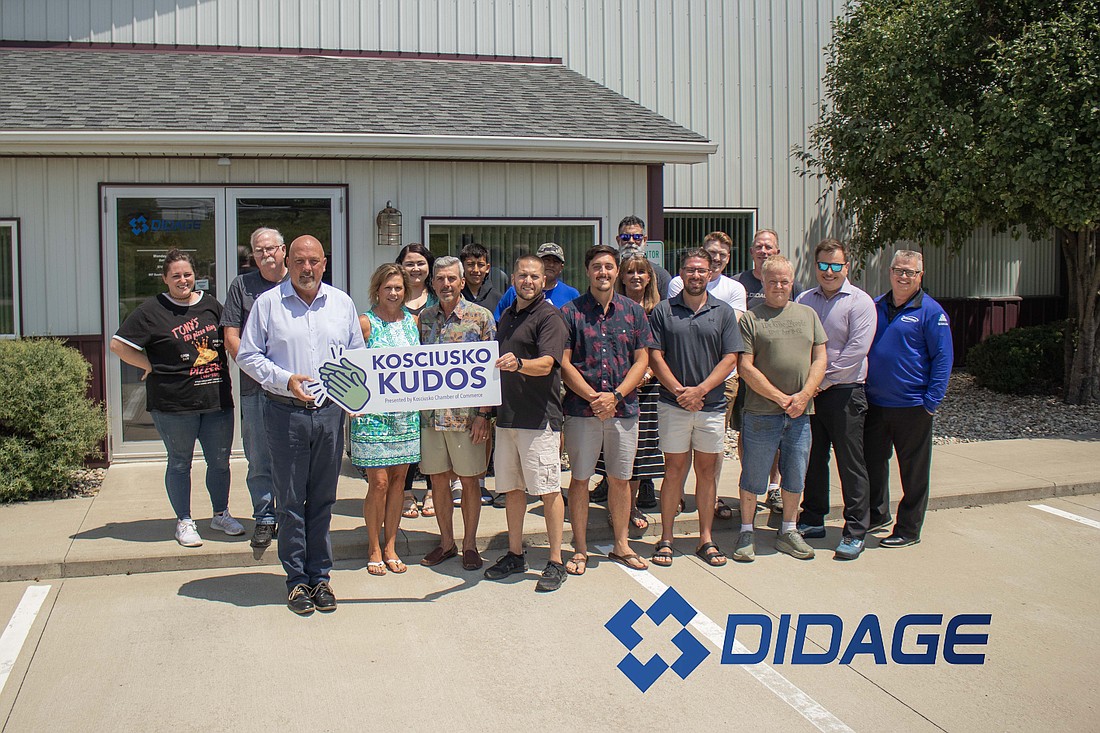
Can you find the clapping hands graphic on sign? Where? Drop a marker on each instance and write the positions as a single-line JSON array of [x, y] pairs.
[[342, 381]]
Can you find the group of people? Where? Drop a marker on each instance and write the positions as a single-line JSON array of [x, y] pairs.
[[637, 377]]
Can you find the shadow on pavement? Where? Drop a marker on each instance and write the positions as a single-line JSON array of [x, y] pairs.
[[154, 530], [246, 590]]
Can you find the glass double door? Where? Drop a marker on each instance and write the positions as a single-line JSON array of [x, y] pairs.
[[142, 223]]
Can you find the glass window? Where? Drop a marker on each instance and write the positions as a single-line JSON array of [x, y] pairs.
[[686, 228], [9, 278], [510, 239]]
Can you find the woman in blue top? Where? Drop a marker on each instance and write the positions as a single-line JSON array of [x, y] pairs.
[[383, 445]]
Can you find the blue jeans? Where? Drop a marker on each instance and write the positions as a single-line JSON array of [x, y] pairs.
[[761, 436], [214, 431], [258, 453]]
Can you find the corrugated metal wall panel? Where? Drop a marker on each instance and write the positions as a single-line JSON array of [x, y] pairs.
[[56, 200]]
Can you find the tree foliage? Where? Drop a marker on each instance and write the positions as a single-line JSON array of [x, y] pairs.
[[942, 116]]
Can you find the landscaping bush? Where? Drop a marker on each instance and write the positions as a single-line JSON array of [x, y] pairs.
[[48, 426], [1029, 360]]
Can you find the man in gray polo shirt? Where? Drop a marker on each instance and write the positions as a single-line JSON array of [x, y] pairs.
[[840, 405], [698, 343]]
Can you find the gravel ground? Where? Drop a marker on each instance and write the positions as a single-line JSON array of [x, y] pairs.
[[970, 414]]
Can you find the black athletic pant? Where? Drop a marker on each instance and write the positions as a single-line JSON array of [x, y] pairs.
[[837, 424], [908, 430]]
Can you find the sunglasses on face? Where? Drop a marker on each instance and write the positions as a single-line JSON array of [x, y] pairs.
[[834, 266], [628, 237]]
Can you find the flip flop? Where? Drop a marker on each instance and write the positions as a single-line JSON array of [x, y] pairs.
[[376, 568], [627, 560], [722, 510], [662, 554], [711, 555], [428, 508], [394, 565], [579, 561], [409, 509], [638, 520]]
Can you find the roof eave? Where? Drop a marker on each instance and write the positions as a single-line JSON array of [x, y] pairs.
[[343, 145]]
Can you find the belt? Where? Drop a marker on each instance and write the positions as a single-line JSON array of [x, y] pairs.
[[292, 401], [847, 385]]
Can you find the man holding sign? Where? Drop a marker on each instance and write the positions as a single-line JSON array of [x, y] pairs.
[[452, 440], [293, 327]]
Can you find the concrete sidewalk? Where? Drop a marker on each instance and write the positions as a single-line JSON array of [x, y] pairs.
[[128, 527]]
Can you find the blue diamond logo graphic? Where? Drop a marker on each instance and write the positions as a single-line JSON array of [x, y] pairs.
[[692, 651]]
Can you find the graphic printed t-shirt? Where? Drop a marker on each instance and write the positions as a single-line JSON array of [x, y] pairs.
[[781, 342], [185, 347]]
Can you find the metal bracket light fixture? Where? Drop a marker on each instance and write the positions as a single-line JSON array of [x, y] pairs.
[[388, 222]]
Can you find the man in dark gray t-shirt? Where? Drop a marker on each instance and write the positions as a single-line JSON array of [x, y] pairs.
[[270, 255]]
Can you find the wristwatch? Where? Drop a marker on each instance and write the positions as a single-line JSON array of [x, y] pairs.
[[618, 395], [519, 363]]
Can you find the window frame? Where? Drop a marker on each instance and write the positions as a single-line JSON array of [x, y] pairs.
[[13, 224], [717, 212]]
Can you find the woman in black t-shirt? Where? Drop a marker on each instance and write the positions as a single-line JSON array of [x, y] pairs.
[[175, 338]]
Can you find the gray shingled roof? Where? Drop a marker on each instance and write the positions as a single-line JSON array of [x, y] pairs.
[[68, 89]]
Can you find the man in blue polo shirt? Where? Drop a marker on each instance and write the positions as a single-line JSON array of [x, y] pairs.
[[554, 290], [907, 372]]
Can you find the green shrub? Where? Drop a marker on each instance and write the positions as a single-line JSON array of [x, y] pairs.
[[1028, 360], [48, 426]]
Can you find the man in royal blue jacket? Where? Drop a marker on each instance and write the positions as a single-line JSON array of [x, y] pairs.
[[907, 372]]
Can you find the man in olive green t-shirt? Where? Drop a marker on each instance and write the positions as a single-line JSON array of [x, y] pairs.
[[783, 364]]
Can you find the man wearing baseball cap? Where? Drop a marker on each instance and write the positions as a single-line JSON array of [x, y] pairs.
[[555, 290]]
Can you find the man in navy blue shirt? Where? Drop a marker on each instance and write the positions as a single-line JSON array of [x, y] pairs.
[[907, 372]]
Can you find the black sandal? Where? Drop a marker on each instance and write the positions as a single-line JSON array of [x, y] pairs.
[[662, 554], [711, 555]]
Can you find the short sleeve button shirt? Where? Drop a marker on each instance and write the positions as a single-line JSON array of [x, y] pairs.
[[466, 324], [603, 346]]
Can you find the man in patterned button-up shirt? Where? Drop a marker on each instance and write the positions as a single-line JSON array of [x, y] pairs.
[[606, 355], [452, 440]]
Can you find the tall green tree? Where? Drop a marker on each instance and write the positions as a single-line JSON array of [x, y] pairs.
[[942, 116]]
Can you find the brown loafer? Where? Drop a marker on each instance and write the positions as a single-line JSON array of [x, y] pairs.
[[471, 560], [438, 555]]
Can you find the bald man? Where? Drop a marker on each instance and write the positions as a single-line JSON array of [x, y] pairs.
[[290, 332]]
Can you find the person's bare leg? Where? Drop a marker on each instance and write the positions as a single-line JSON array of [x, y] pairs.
[[554, 507], [471, 511], [578, 514], [791, 504], [444, 508], [672, 490], [515, 507], [748, 507], [618, 503], [774, 476], [392, 514], [705, 492], [374, 507]]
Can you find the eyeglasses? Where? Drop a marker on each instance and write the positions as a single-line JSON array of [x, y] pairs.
[[834, 266], [265, 250], [628, 237], [696, 270], [902, 272]]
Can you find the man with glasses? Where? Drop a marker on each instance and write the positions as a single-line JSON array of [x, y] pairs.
[[783, 364], [907, 372], [765, 243], [840, 405], [270, 256], [632, 238], [719, 245]]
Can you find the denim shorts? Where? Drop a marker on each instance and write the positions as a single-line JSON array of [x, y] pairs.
[[761, 436]]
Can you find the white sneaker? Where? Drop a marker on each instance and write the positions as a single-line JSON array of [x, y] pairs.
[[186, 533], [226, 523]]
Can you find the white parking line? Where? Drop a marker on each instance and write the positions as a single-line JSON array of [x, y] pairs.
[[18, 628], [1066, 515], [783, 688]]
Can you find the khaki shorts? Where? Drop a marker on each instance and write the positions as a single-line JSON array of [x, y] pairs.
[[682, 430], [616, 436], [528, 460], [451, 450]]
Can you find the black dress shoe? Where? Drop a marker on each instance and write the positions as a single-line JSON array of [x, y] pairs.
[[323, 598], [299, 600], [898, 540]]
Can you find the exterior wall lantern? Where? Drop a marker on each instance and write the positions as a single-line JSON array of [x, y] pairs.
[[388, 222]]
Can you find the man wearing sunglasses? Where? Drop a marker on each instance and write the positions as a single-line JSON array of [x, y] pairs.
[[907, 372], [840, 405], [632, 238]]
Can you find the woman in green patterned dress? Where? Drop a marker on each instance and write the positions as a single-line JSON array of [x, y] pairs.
[[383, 445]]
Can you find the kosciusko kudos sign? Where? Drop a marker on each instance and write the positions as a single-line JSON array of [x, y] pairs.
[[411, 378]]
